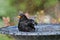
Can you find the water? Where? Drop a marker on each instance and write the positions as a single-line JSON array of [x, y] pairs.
[[41, 29]]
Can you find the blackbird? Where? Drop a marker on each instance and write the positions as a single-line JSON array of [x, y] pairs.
[[25, 24]]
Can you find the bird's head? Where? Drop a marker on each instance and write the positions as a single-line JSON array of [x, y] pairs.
[[22, 16]]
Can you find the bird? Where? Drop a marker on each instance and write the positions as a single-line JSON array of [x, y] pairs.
[[25, 24]]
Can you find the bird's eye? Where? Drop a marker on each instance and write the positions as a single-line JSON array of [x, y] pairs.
[[19, 16]]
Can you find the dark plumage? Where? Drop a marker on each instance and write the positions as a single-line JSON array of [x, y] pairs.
[[26, 24]]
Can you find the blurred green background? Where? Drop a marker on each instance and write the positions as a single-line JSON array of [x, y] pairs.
[[11, 8]]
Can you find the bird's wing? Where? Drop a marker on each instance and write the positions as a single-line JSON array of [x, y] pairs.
[[32, 21]]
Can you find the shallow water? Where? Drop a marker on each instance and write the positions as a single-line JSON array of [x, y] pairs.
[[41, 29]]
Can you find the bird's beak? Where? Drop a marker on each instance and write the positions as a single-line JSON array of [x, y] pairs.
[[19, 17]]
